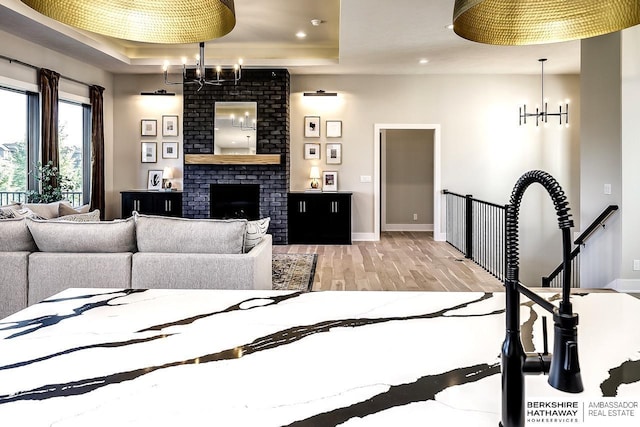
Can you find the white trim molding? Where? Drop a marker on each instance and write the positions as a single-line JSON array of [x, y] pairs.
[[625, 285], [364, 237], [408, 227]]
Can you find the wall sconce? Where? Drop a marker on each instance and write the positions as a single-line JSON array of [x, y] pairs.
[[543, 115], [315, 176], [167, 175], [159, 92], [320, 92]]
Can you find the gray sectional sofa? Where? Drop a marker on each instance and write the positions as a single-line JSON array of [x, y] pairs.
[[41, 258]]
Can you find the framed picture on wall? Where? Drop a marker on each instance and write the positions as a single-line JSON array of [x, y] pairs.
[[169, 125], [149, 152], [148, 127], [311, 151], [312, 126], [329, 181], [169, 150], [334, 128], [154, 180], [334, 154]]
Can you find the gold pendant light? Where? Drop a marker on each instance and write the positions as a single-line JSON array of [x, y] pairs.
[[150, 21], [525, 22]]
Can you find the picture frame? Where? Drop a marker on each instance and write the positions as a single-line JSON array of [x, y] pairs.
[[334, 154], [149, 152], [333, 128], [170, 126], [311, 151], [148, 127], [329, 181], [154, 179], [170, 150], [312, 126]]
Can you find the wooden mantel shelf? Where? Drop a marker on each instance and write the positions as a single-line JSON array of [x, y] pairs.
[[232, 159]]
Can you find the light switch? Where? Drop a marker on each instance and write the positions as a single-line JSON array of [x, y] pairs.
[[607, 189], [636, 265], [365, 178]]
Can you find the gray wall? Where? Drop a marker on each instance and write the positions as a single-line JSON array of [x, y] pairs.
[[408, 175]]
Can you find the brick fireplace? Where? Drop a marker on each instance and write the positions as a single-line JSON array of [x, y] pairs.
[[270, 90]]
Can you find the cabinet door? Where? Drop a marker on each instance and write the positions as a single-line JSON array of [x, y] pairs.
[[168, 204], [302, 218], [336, 211], [134, 201]]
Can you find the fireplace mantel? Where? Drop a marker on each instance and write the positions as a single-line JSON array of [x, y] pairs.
[[232, 159]]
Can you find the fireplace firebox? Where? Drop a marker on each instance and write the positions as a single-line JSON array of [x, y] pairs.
[[228, 201]]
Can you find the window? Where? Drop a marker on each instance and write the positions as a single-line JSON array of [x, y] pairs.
[[74, 149], [18, 142]]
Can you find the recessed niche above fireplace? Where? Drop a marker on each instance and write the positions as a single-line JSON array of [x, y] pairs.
[[229, 201]]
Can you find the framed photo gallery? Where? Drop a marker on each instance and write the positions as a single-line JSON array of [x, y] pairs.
[[169, 149], [313, 150]]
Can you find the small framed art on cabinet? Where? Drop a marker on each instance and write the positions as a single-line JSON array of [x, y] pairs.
[[148, 127], [329, 181], [149, 152], [154, 180]]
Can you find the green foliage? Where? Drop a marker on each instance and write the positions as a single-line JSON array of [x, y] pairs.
[[52, 184], [13, 169]]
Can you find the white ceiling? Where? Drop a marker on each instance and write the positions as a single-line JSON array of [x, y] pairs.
[[356, 37]]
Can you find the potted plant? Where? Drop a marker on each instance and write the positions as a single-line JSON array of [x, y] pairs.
[[52, 184]]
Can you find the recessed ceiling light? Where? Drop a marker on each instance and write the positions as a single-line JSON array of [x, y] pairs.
[[423, 61], [449, 27], [301, 34], [316, 22]]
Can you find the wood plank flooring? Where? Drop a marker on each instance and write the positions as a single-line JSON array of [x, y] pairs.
[[400, 261]]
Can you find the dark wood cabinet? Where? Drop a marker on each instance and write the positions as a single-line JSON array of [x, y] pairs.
[[319, 218], [166, 203]]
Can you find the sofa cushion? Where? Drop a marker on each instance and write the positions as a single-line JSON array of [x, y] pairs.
[[92, 216], [15, 236], [64, 209], [181, 235], [46, 210], [255, 232], [106, 236]]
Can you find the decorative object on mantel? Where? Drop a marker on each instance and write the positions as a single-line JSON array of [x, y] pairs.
[[149, 21], [334, 154], [169, 125], [312, 127], [525, 22], [329, 181], [311, 151], [148, 127], [320, 92], [233, 75], [159, 92], [149, 152], [541, 113], [154, 180], [232, 159], [334, 128], [314, 174]]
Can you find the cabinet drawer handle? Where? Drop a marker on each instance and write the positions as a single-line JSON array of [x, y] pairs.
[[302, 206]]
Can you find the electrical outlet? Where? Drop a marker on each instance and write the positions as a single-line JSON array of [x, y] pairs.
[[415, 217], [636, 265]]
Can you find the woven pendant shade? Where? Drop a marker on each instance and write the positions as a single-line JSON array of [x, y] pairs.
[[525, 22], [151, 21]]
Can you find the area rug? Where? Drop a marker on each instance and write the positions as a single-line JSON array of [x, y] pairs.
[[293, 271]]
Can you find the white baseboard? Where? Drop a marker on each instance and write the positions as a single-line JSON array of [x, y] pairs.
[[408, 227], [625, 285], [363, 237]]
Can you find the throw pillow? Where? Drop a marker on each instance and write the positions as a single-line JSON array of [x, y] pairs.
[[182, 235], [15, 236], [64, 236], [255, 232], [8, 211], [45, 210], [92, 216], [64, 209]]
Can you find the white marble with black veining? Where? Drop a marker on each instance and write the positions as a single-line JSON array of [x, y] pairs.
[[96, 357]]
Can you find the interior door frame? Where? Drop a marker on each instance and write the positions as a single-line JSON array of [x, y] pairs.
[[438, 235]]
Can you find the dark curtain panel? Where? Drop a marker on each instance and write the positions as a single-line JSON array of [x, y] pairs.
[[49, 81], [97, 150]]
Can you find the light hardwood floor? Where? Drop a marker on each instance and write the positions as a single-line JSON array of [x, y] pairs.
[[400, 261]]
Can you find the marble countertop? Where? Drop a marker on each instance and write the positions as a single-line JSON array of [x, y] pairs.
[[105, 357]]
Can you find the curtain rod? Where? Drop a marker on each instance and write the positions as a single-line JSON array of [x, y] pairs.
[[24, 64]]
